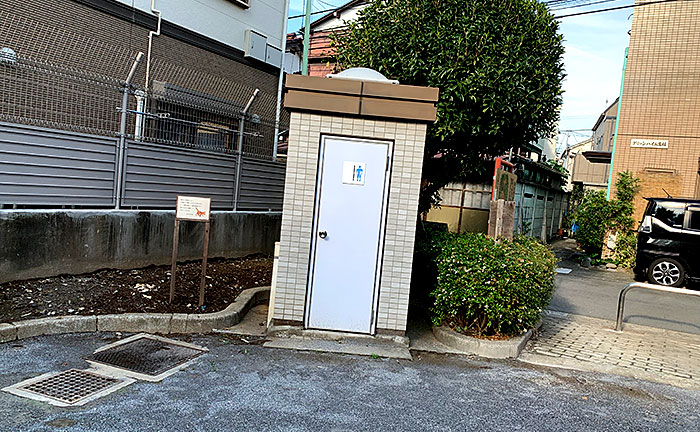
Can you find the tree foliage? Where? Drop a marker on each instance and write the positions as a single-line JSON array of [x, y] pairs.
[[596, 216], [497, 63]]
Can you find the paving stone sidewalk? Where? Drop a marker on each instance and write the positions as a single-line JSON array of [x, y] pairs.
[[591, 344]]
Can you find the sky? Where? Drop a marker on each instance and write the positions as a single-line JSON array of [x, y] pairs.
[[594, 54]]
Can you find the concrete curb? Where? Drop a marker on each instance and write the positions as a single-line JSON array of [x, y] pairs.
[[502, 349], [138, 322]]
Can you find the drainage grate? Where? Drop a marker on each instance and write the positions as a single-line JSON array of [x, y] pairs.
[[148, 355], [68, 388]]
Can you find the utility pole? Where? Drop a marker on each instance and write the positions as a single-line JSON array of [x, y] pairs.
[[307, 34]]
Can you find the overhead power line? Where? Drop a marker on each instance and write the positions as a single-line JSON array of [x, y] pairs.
[[580, 5], [313, 13], [618, 8]]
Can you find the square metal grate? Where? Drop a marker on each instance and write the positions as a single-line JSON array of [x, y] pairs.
[[69, 387], [147, 355]]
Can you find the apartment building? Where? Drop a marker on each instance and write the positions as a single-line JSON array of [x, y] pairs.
[[588, 162], [658, 136]]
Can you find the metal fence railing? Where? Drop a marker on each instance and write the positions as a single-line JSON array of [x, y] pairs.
[[43, 94], [80, 133], [646, 286]]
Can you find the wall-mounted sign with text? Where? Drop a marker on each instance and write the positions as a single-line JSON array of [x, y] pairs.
[[648, 143]]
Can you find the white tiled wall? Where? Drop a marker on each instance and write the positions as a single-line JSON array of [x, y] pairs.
[[295, 240]]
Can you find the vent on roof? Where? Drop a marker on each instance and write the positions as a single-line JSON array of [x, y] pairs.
[[362, 74]]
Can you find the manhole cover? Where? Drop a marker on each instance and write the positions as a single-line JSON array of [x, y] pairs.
[[68, 388], [149, 357]]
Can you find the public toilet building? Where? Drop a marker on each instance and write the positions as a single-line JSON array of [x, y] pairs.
[[350, 202]]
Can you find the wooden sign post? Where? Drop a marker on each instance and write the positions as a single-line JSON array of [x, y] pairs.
[[191, 209]]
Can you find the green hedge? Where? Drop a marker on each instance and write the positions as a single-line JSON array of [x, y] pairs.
[[488, 288]]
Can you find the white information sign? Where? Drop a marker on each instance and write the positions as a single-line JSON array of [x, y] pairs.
[[354, 173], [647, 143], [193, 208]]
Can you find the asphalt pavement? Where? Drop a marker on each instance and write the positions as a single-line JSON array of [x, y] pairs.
[[594, 292], [251, 388]]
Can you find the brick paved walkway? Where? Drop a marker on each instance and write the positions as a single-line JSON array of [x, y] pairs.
[[591, 344]]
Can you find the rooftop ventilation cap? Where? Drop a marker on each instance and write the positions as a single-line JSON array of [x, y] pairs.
[[362, 74]]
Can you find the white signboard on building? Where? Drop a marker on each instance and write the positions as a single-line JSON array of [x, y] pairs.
[[648, 143], [354, 173], [193, 208]]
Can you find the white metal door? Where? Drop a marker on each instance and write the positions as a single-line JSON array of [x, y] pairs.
[[348, 234]]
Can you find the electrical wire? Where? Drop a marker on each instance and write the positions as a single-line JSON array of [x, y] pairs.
[[618, 8], [583, 5]]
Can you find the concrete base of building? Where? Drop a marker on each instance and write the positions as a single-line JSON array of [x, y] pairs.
[[297, 338], [42, 243]]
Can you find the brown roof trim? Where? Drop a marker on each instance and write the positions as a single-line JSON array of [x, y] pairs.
[[360, 98]]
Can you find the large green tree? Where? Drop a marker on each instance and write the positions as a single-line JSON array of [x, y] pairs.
[[497, 63]]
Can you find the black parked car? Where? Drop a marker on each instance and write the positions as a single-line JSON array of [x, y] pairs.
[[668, 245]]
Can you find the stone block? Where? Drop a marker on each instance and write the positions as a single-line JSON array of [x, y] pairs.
[[205, 323], [55, 325], [178, 324], [8, 332], [135, 323]]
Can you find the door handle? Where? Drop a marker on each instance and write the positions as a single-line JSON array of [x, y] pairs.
[[322, 234]]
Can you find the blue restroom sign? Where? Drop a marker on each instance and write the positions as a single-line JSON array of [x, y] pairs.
[[354, 173]]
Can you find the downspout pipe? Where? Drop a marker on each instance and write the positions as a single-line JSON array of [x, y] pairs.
[[150, 42], [281, 80], [617, 124], [122, 132], [143, 100]]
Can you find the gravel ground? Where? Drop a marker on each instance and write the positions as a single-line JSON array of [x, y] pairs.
[[139, 290], [248, 387]]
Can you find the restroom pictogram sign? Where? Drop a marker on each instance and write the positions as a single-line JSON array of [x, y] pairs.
[[354, 173]]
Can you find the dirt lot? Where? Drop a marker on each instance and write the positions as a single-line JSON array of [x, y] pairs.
[[140, 290]]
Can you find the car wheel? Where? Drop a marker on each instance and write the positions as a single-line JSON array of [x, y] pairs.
[[667, 272]]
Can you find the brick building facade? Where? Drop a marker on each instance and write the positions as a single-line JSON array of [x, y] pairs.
[[658, 136]]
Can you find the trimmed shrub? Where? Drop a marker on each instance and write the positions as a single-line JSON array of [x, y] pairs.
[[489, 288]]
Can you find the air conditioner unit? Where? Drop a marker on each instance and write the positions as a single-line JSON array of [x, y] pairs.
[[255, 45]]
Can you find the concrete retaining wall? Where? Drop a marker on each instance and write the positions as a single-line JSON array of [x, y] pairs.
[[44, 243]]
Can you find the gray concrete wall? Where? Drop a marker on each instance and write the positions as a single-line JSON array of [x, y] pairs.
[[43, 243]]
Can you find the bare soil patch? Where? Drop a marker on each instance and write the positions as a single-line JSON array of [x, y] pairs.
[[140, 290]]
